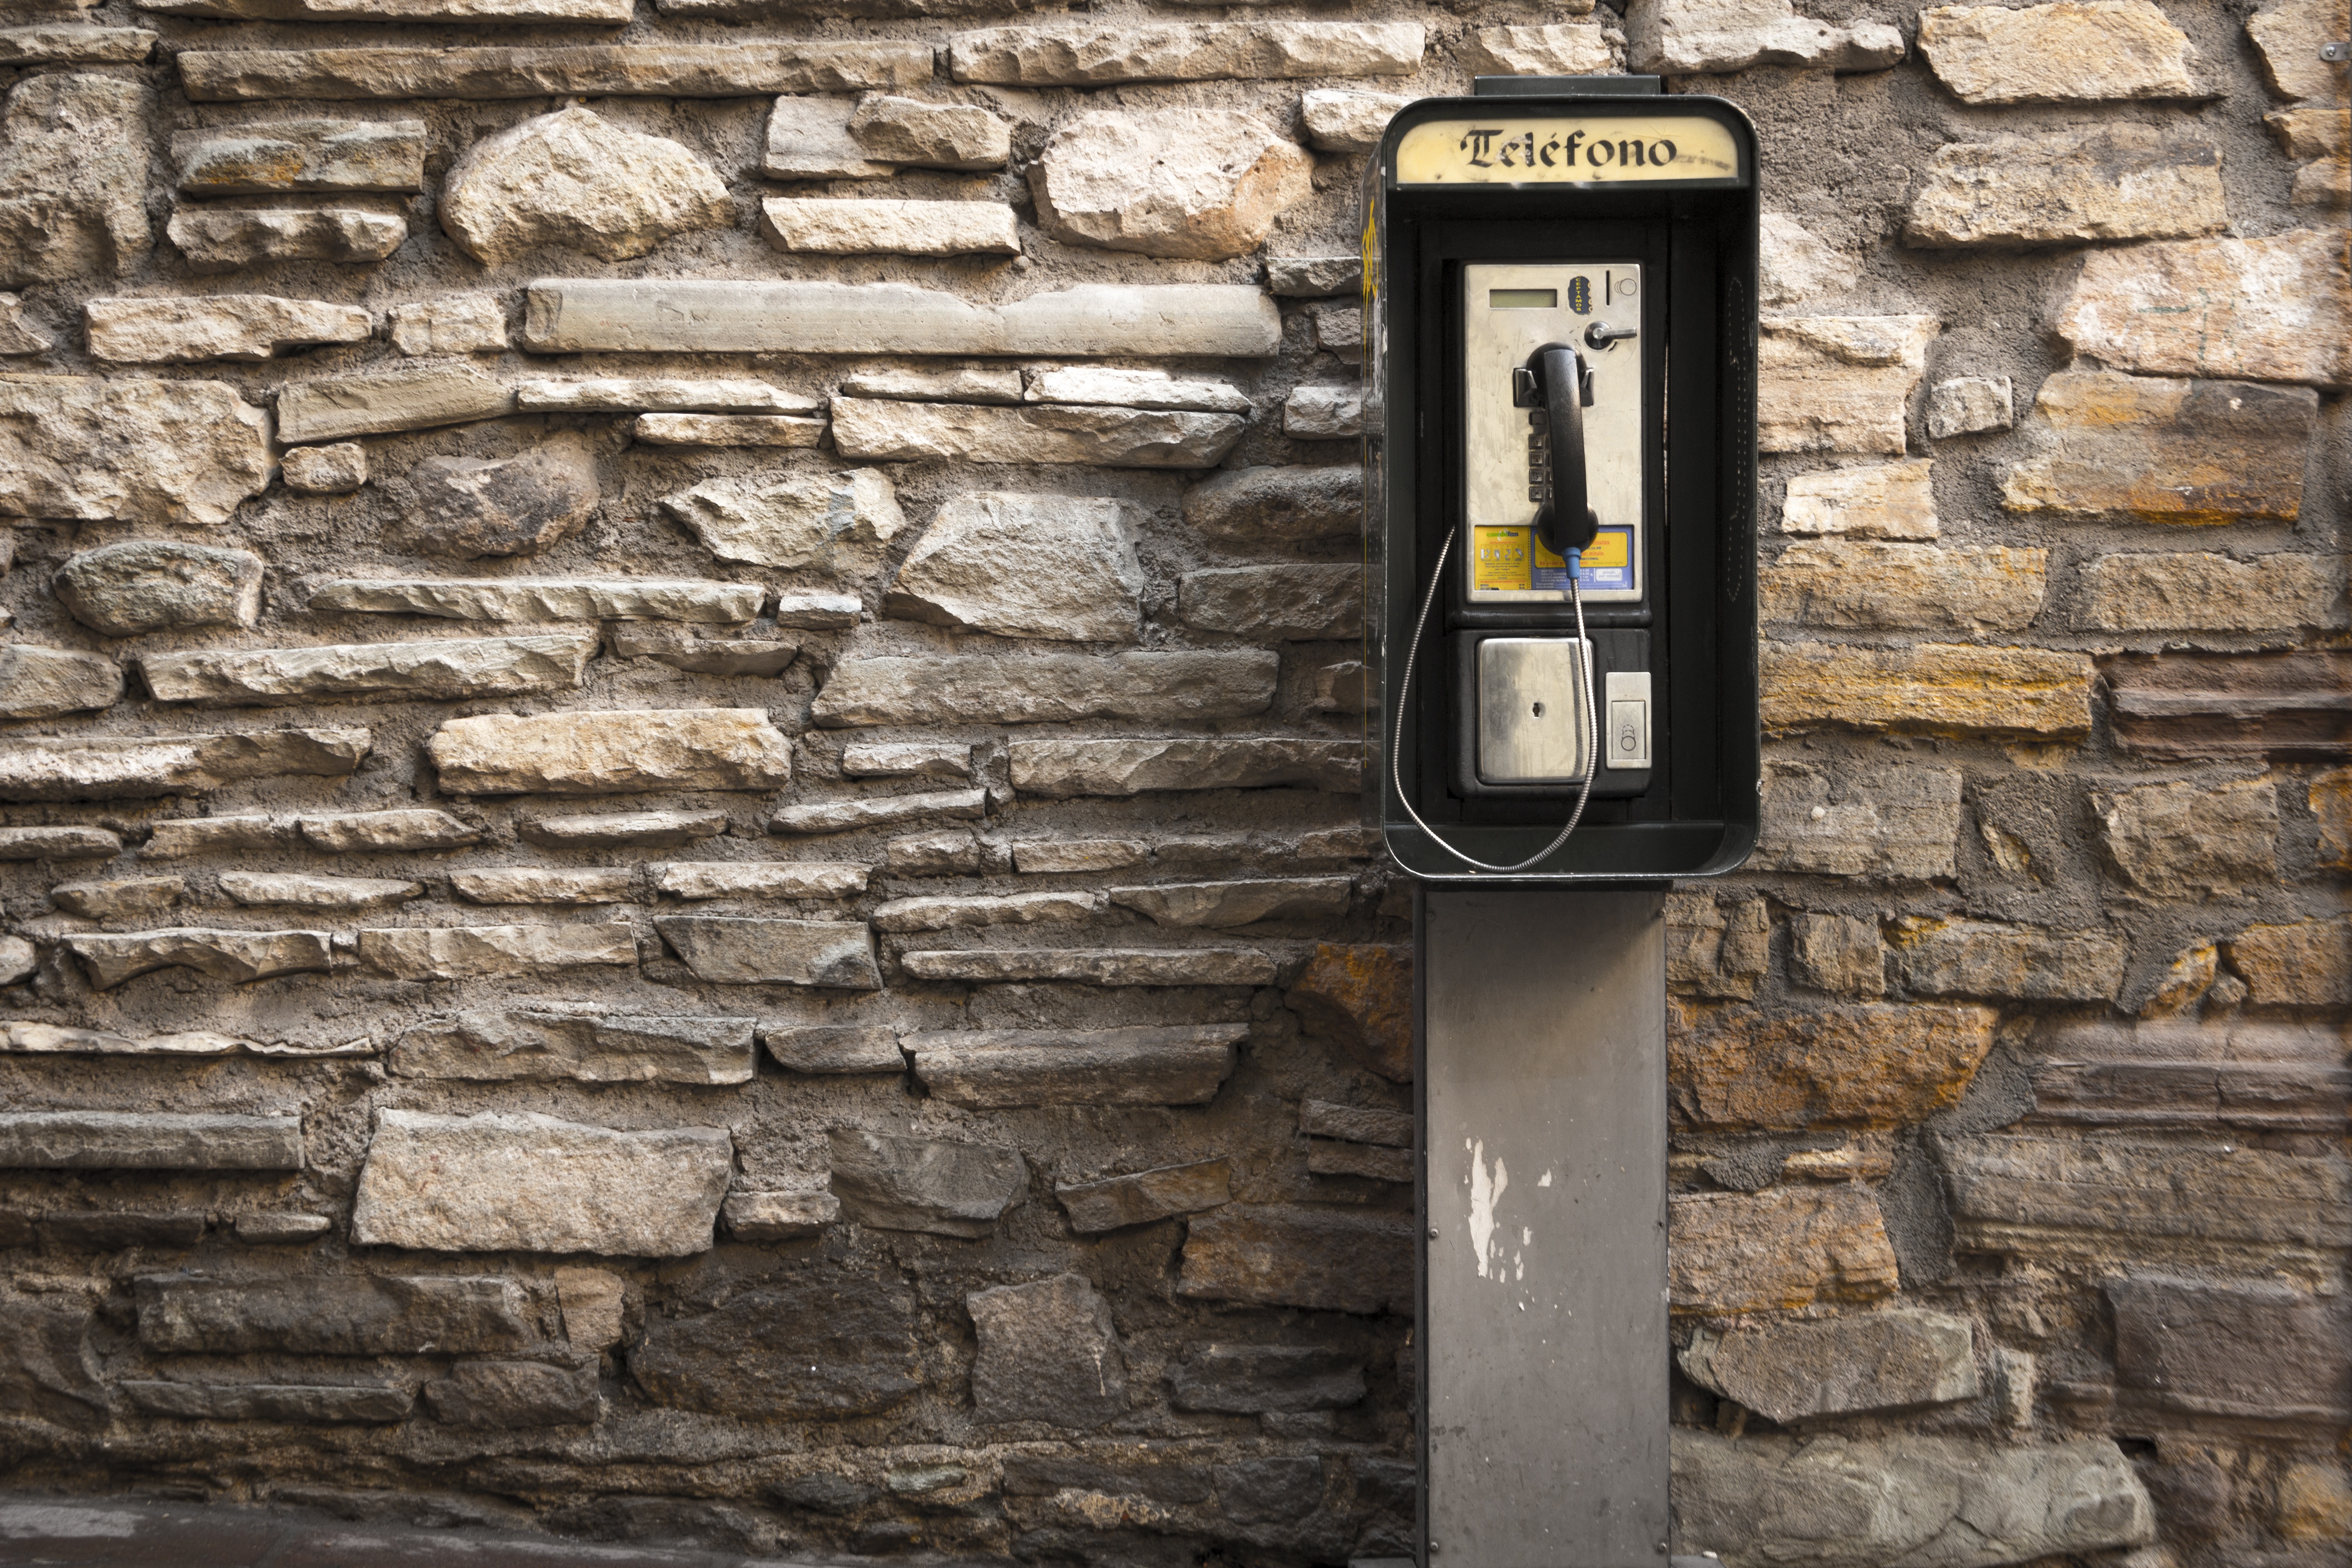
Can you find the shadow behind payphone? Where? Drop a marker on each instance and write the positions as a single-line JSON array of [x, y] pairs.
[[1561, 316]]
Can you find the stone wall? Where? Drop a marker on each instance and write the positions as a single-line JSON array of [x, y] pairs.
[[680, 824]]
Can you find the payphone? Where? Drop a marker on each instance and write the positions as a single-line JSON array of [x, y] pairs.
[[1560, 445], [1560, 439]]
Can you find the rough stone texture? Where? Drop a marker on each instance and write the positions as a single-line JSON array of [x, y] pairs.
[[71, 184], [1200, 184], [526, 1182], [1039, 433], [575, 180], [791, 520], [58, 844], [1360, 998], [544, 599], [105, 768], [584, 1044], [2119, 182], [2277, 309], [335, 471], [2306, 964], [329, 410], [992, 1070], [1047, 1352], [747, 951], [2263, 1350], [1982, 958], [130, 451], [1862, 584], [835, 1050], [1253, 1380], [720, 880], [454, 324], [1891, 824], [468, 506], [1877, 1361], [627, 830], [1053, 768], [654, 70], [778, 1217], [266, 156], [1324, 1260], [378, 832], [1563, 49], [484, 952], [1096, 53], [1843, 955], [1180, 687], [2164, 451], [1338, 120], [1940, 1502], [1779, 1249], [817, 1343], [346, 1314], [1939, 687], [2192, 841], [42, 682], [1838, 384], [630, 751], [1026, 566], [1131, 389], [223, 326], [846, 816], [148, 1140], [1285, 603], [839, 225], [924, 1184], [1223, 904], [1114, 1202], [1970, 406], [484, 667], [1799, 266], [230, 238], [1258, 507], [1683, 37], [236, 956], [507, 1393], [1323, 413], [1009, 909], [911, 133], [1883, 500], [2073, 51], [295, 890], [1098, 967], [1317, 277], [1734, 1068], [333, 1404]]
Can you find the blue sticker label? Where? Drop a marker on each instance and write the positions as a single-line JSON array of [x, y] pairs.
[[1608, 563], [1579, 295]]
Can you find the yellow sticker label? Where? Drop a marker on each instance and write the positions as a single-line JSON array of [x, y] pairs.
[[1503, 150], [1501, 561], [1513, 561]]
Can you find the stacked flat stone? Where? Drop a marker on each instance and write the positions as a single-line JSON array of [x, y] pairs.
[[681, 776]]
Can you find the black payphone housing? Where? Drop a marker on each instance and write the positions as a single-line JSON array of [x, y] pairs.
[[1606, 233]]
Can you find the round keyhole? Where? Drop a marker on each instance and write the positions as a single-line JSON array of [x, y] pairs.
[[1539, 709]]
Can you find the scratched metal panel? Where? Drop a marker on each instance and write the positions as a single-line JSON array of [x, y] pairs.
[[1544, 1320]]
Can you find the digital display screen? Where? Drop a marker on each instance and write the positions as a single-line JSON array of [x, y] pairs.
[[1523, 298]]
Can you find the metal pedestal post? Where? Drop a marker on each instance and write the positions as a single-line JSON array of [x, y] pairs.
[[1543, 1337]]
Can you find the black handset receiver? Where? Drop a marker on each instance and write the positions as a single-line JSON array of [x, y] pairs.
[[1563, 386]]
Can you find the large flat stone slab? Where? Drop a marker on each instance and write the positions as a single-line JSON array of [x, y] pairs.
[[148, 1140], [628, 752], [693, 600], [1734, 1068], [1779, 1250], [1223, 904], [1062, 568], [1935, 687], [1051, 689], [817, 519], [742, 950], [1684, 38], [2073, 51], [2155, 450], [437, 671], [927, 1184], [71, 183], [1867, 585], [2118, 182], [1988, 959], [1899, 824], [145, 768], [2274, 308], [263, 157], [328, 1314], [166, 330], [500, 1183], [2261, 1350], [1288, 604], [1140, 1197], [1840, 383], [819, 1344], [613, 70], [1117, 767], [881, 430], [582, 1042], [237, 956], [1324, 1260], [1932, 1503], [490, 952], [322, 1405], [614, 315], [332, 408], [993, 1069], [128, 450], [1893, 1360], [1097, 966], [1096, 53]]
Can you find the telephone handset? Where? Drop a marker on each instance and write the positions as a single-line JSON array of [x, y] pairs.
[[1562, 386]]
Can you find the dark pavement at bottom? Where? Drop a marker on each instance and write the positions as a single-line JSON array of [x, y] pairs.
[[121, 1533]]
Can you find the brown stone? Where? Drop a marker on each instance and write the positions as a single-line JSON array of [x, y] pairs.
[[1893, 1360], [2308, 963], [1094, 54], [1120, 767], [1840, 383], [2073, 51], [994, 1069], [1898, 824], [1143, 1196], [1935, 686], [1202, 184], [1715, 953], [2260, 1349], [1844, 955], [1982, 958], [468, 506], [1735, 1069], [2135, 447], [2331, 803], [1870, 585], [2185, 842], [612, 752], [2187, 591], [1879, 500], [1324, 1260], [2231, 705], [1360, 999], [1776, 1250], [2117, 181], [727, 69], [2278, 308]]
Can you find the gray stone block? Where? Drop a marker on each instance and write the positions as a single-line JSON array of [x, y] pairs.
[[128, 450], [385, 832], [1289, 603], [1095, 966], [821, 1344], [823, 1048], [1047, 1352], [995, 1069], [436, 671], [160, 585], [1251, 1380], [1060, 768], [546, 599], [332, 1314], [584, 1042], [310, 1404], [590, 70], [778, 1217], [58, 844], [148, 1140], [1169, 687], [879, 811], [1140, 1197], [1838, 1366], [1096, 53], [625, 830], [1325, 1259], [1059, 567], [509, 1393], [927, 1184], [1223, 904], [732, 951], [38, 682]]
